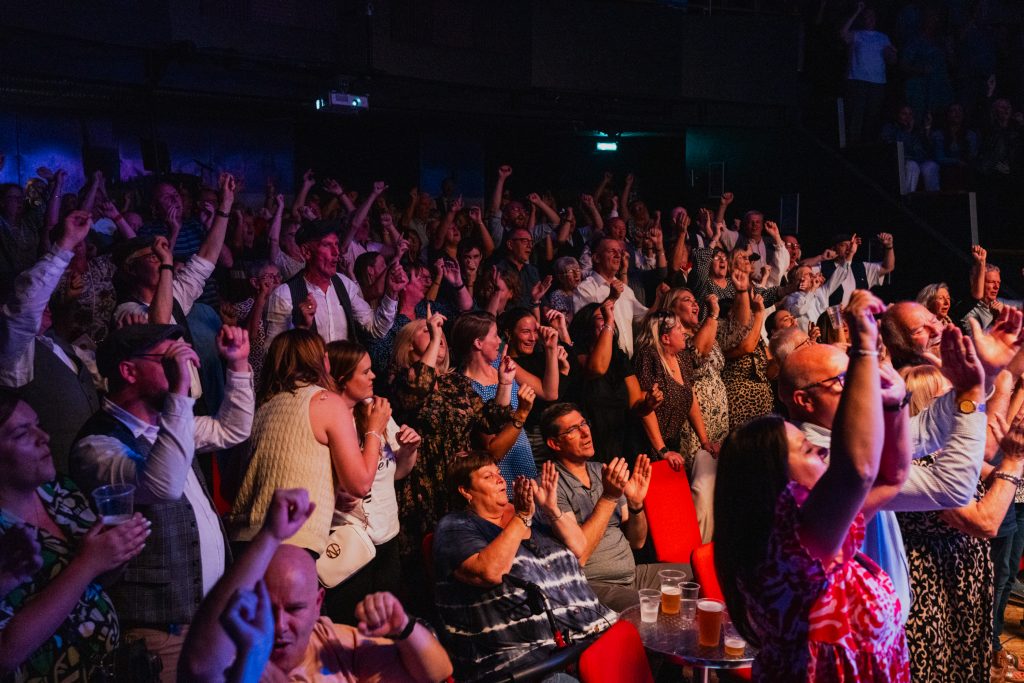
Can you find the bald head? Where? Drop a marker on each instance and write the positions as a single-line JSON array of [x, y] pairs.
[[799, 387], [785, 341], [295, 597]]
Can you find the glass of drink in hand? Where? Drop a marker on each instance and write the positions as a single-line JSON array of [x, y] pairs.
[[115, 504], [671, 591]]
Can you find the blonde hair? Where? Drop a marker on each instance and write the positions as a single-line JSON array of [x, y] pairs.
[[925, 384], [655, 324], [402, 357]]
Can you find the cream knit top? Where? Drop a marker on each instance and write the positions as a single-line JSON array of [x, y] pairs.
[[285, 454]]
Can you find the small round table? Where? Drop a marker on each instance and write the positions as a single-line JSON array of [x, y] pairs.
[[677, 639]]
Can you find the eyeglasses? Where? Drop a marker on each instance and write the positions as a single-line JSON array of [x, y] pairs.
[[569, 271], [575, 429], [828, 382]]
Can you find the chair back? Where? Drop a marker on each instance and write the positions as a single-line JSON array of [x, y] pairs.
[[617, 656], [702, 562], [671, 516]]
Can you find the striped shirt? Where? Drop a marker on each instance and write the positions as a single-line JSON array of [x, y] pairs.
[[492, 629]]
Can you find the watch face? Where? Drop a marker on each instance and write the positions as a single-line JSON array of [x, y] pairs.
[[968, 406]]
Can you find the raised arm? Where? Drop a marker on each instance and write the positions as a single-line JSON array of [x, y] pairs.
[[208, 650], [888, 255], [504, 171], [627, 188], [308, 181], [857, 437], [845, 33], [214, 242], [980, 257], [550, 214], [486, 568], [591, 208]]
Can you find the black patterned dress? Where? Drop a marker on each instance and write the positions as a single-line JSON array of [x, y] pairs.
[[446, 412], [949, 632]]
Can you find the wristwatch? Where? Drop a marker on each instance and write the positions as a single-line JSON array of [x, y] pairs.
[[967, 407], [525, 519], [902, 404], [663, 450]]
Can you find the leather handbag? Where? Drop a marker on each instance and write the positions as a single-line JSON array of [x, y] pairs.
[[349, 549]]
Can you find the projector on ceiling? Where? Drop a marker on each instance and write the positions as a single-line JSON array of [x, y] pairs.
[[338, 101]]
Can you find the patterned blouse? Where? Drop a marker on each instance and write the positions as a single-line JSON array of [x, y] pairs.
[[823, 624], [91, 630]]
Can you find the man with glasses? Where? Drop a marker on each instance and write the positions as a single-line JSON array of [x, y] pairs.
[[810, 386], [145, 435], [604, 505], [518, 248]]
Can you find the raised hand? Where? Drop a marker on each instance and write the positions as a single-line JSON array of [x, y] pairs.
[[860, 315], [332, 186], [541, 288], [740, 280], [227, 187], [397, 280], [639, 481], [615, 289], [475, 214], [997, 346], [76, 227], [377, 415], [506, 369], [533, 198], [726, 198], [587, 201], [960, 362], [545, 494], [233, 345], [381, 614], [435, 324], [885, 238], [309, 178], [979, 254], [249, 621], [772, 228], [828, 255], [289, 509], [549, 336], [408, 441], [176, 361], [504, 171], [526, 397], [614, 478], [522, 496], [714, 309], [379, 187]]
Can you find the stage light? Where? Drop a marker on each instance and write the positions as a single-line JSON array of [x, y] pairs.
[[607, 146]]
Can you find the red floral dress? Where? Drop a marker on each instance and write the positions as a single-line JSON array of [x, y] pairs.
[[840, 624]]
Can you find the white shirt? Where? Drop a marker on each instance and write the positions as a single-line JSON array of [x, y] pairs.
[[875, 276], [187, 285], [167, 475], [594, 290], [330, 316]]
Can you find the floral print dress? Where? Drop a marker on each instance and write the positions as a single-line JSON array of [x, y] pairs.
[[710, 393], [832, 624], [91, 630], [446, 411]]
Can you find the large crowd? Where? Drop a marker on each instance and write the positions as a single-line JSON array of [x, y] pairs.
[[350, 417]]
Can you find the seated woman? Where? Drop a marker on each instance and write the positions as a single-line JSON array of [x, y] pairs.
[[56, 624], [788, 528], [488, 627]]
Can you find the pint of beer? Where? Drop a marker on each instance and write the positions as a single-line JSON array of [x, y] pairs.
[[710, 614], [671, 591]]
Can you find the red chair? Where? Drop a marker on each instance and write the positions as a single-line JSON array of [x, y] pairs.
[[671, 517], [702, 562], [617, 656]]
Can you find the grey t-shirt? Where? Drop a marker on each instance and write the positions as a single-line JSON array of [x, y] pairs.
[[612, 560]]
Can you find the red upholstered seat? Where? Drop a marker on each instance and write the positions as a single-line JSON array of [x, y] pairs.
[[617, 656], [671, 517]]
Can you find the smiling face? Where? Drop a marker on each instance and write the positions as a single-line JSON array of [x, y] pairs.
[[25, 450], [924, 329], [793, 247], [524, 335], [720, 265], [806, 463], [687, 309], [608, 257]]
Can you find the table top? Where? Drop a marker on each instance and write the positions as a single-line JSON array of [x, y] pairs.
[[674, 637]]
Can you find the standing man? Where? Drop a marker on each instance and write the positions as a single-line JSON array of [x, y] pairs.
[[604, 283], [863, 274], [145, 435]]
